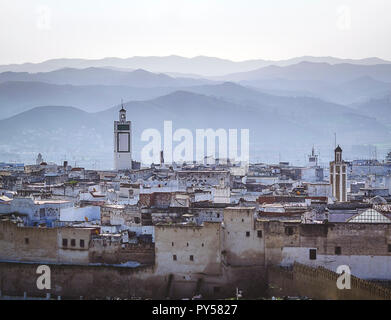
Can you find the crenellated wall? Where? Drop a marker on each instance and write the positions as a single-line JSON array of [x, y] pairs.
[[320, 283]]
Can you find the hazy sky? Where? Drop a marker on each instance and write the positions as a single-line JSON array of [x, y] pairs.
[[33, 31]]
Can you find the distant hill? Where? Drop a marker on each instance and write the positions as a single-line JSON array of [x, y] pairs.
[[349, 92], [378, 108], [52, 129], [309, 71], [338, 83], [100, 76], [19, 96], [274, 124], [287, 105], [201, 65]]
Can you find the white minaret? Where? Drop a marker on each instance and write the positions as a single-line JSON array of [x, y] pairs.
[[122, 142], [338, 172], [39, 159]]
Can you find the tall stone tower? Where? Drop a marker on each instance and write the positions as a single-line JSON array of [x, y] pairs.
[[122, 142], [338, 173]]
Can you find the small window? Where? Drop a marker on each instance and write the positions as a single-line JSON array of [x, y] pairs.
[[64, 242], [174, 257], [187, 244], [242, 220], [81, 243], [172, 244], [73, 242], [218, 215], [338, 250], [389, 247], [312, 254], [191, 258], [259, 233], [288, 231], [202, 244], [26, 240], [247, 233]]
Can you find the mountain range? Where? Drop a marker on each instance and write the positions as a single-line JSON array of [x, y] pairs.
[[101, 76], [70, 111], [201, 65], [288, 124], [20, 96]]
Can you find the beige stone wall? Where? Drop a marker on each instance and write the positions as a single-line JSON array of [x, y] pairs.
[[73, 281], [74, 253], [43, 244], [362, 247], [99, 282], [242, 245], [202, 243], [224, 256], [27, 243]]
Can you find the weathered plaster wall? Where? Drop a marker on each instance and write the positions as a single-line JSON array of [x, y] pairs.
[[183, 242], [28, 243], [242, 245]]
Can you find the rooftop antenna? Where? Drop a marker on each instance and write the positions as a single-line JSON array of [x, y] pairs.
[[122, 104]]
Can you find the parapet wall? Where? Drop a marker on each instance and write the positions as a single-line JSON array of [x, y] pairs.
[[103, 281], [75, 281], [320, 283]]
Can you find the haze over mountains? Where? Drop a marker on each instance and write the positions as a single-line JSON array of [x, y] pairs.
[[201, 65], [101, 76], [19, 96], [288, 107]]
